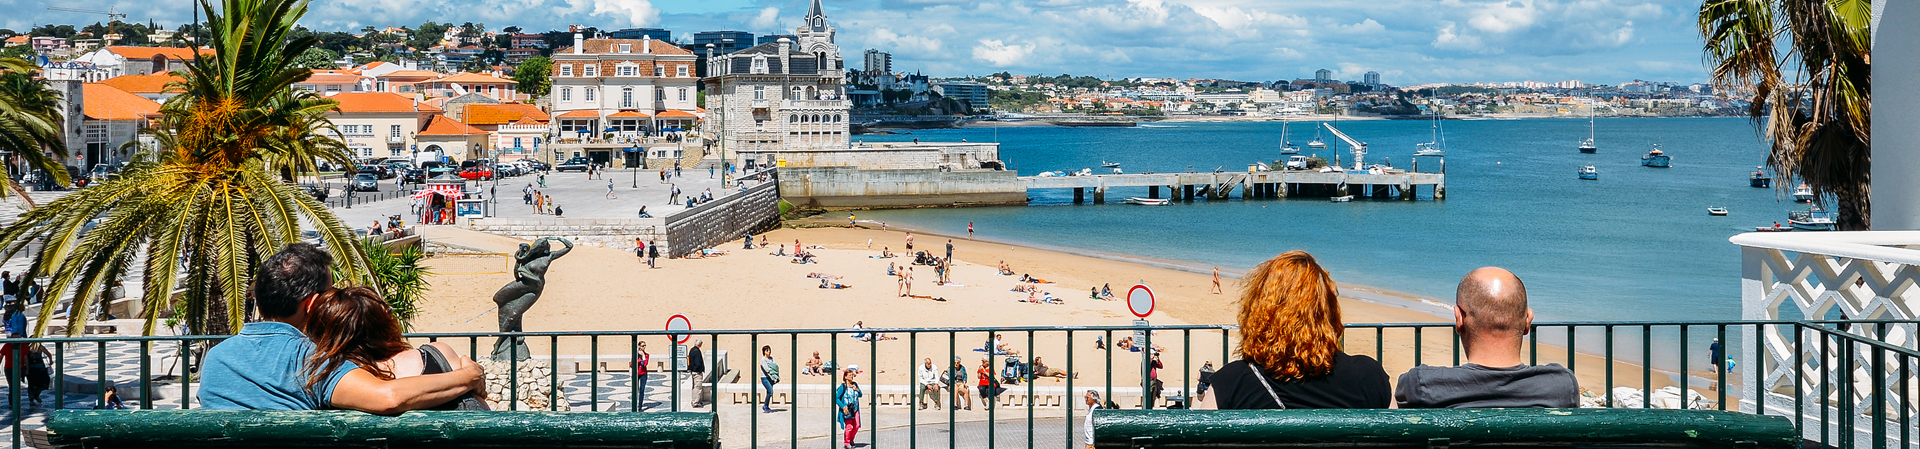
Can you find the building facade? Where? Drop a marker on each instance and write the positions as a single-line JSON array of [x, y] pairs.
[[658, 34], [620, 84], [380, 124], [975, 94], [782, 95], [877, 61]]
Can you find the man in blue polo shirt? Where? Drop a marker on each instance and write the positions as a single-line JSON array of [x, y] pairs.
[[261, 367]]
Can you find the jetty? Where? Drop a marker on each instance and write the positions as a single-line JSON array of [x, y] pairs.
[[1256, 184]]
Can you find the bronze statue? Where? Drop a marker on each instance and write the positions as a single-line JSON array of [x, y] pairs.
[[529, 279]]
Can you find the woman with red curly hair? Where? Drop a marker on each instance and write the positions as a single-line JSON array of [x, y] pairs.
[[1290, 346]]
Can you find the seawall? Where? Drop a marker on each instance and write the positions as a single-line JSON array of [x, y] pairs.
[[835, 188]]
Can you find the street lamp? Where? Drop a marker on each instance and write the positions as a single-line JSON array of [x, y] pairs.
[[634, 149]]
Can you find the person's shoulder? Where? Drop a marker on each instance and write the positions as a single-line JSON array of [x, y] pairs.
[[1356, 362]]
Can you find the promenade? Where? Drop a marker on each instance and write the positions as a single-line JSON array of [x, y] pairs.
[[577, 196]]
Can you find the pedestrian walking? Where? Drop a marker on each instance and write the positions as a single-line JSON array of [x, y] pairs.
[[640, 361], [673, 194], [769, 375], [653, 255], [639, 249], [969, 230], [610, 190]]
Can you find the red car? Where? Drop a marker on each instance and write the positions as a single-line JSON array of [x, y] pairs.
[[476, 173]]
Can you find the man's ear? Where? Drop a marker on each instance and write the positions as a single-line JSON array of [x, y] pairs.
[[1529, 325], [1459, 317]]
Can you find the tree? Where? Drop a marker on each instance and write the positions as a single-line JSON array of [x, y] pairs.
[[1808, 65], [317, 59], [200, 211], [532, 75], [30, 121], [400, 276]]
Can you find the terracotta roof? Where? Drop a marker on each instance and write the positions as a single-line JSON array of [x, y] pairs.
[[496, 114], [676, 114], [412, 74], [472, 78], [581, 114], [351, 102], [444, 126], [142, 84], [149, 52], [332, 78], [628, 114], [105, 102], [21, 39], [608, 46], [527, 121]]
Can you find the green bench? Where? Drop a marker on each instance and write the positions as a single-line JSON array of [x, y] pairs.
[[1436, 428], [162, 429]]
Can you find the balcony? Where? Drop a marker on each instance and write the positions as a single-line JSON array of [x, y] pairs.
[[396, 139], [761, 104], [816, 104]]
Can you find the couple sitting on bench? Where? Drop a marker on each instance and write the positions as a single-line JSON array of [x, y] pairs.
[[1291, 359], [320, 347]]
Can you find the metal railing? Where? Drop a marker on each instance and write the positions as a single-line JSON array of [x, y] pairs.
[[1833, 361]]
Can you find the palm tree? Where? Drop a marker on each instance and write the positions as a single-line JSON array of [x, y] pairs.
[[400, 275], [1809, 66], [201, 210], [30, 122]]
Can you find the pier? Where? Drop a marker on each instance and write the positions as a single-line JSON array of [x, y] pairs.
[[1259, 184]]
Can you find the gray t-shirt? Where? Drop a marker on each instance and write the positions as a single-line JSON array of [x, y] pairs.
[[1475, 386]]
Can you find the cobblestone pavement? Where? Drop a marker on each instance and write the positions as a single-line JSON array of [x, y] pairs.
[[577, 196]]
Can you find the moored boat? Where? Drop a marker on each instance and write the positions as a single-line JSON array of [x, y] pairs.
[[1656, 158], [1803, 194], [1148, 201], [1343, 199], [1717, 211], [1760, 179], [1589, 173], [1814, 219]]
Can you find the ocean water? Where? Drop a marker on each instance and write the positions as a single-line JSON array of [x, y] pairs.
[[1637, 244]]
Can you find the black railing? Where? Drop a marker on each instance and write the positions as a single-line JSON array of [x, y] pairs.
[[1850, 388]]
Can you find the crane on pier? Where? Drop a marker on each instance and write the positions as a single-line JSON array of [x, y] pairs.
[[1359, 148], [111, 18]]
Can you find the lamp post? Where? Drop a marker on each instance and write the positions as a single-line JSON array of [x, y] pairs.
[[634, 149]]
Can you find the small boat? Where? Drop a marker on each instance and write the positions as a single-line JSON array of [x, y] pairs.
[[1717, 211], [1426, 150], [1803, 194], [1760, 179], [1316, 142], [1106, 164], [1343, 199], [1775, 228], [1286, 145], [1814, 219], [1589, 173], [1434, 147], [1148, 201], [1587, 145], [1656, 158]]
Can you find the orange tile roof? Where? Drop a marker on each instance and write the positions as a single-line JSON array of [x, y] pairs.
[[472, 78], [332, 78], [21, 39], [496, 114], [608, 46], [105, 102], [527, 121], [628, 114], [445, 126], [677, 114], [581, 114], [351, 102], [412, 74], [149, 52], [142, 84]]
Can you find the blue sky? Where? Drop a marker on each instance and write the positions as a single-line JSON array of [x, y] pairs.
[[1407, 41]]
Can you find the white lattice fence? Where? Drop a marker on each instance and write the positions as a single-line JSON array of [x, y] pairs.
[[1852, 276]]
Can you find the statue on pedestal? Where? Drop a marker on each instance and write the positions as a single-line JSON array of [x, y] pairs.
[[529, 279]]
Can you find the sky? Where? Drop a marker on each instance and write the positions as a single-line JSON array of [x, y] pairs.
[[1407, 41]]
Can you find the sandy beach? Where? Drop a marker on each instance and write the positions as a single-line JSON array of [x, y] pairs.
[[604, 289]]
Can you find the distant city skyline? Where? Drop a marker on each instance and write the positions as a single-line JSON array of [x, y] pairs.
[[1406, 41]]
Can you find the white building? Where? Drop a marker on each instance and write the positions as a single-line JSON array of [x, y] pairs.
[[623, 84], [781, 95]]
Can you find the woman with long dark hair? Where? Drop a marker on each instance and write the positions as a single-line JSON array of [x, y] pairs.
[[354, 324]]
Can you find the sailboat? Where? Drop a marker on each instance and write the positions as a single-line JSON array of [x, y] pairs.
[[1587, 146], [1287, 146], [1434, 146], [1317, 143]]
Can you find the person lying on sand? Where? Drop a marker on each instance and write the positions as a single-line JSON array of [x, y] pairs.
[[833, 285], [1041, 370], [819, 275], [1030, 278]]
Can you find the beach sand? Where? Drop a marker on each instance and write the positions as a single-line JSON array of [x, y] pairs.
[[601, 289]]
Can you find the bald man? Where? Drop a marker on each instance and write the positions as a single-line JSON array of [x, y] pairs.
[[1492, 318]]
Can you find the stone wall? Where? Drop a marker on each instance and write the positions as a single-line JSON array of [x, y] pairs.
[[852, 188], [723, 220], [605, 233], [881, 156]]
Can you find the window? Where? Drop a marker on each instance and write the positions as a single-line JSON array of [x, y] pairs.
[[759, 92], [366, 152], [566, 94], [680, 71], [393, 151], [626, 97], [659, 71], [626, 48], [759, 65], [793, 119], [627, 70], [592, 71], [589, 94], [683, 90], [393, 131], [566, 70], [660, 94]]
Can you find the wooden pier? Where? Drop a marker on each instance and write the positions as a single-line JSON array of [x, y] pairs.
[[1259, 184]]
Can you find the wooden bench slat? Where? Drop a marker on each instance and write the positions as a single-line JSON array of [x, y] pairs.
[[339, 428], [1130, 429]]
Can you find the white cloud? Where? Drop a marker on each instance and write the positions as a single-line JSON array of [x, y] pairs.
[[769, 19], [999, 54], [637, 12]]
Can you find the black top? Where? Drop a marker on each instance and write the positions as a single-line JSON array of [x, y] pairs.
[[1357, 381], [696, 362]]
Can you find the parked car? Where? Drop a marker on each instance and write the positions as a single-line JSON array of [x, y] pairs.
[[366, 182], [476, 173], [102, 173], [415, 176], [378, 171], [575, 164], [319, 192]]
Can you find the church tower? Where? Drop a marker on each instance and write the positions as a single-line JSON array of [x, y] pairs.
[[816, 38]]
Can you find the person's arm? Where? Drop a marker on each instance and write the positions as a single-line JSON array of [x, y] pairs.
[[1207, 403], [360, 390]]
